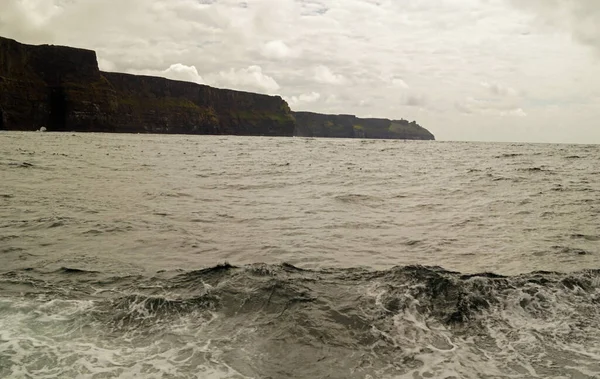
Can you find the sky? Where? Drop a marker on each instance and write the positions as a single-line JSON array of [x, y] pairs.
[[467, 70]]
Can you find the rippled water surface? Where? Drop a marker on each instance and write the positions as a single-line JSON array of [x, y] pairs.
[[351, 258]]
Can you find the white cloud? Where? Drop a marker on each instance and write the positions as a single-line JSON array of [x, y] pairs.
[[517, 112], [332, 99], [247, 79], [176, 71], [310, 98], [106, 65], [303, 99], [277, 49], [180, 71], [324, 75], [489, 107], [400, 83]]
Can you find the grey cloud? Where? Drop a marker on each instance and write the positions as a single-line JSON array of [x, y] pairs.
[[581, 18], [499, 90], [414, 100]]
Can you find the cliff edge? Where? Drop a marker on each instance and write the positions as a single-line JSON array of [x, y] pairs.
[[61, 88], [310, 124]]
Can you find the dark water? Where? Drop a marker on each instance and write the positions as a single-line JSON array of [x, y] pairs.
[[347, 258]]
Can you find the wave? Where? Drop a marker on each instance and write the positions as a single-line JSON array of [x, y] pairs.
[[449, 297], [509, 155], [282, 321], [74, 271]]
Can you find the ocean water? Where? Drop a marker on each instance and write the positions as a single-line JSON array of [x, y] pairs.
[[149, 256]]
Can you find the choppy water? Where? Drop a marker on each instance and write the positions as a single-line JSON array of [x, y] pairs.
[[351, 258]]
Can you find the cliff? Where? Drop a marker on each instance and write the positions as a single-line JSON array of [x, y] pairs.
[[347, 126], [53, 86], [62, 89]]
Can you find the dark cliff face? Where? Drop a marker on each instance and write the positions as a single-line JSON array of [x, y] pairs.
[[62, 88], [310, 124], [166, 106], [53, 86]]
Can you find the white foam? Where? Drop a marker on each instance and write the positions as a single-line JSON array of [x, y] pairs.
[[58, 339], [528, 334]]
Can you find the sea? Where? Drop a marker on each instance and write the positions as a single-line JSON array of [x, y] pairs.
[[169, 256]]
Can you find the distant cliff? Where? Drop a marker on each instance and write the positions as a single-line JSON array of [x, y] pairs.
[[347, 126], [62, 89]]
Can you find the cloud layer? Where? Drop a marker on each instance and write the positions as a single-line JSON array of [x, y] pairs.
[[469, 69], [580, 18]]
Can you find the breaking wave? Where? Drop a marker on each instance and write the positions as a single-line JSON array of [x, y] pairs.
[[280, 321]]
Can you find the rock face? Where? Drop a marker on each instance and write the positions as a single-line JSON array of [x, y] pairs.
[[347, 126], [165, 106], [62, 89]]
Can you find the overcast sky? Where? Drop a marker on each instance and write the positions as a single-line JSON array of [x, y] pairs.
[[487, 70]]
